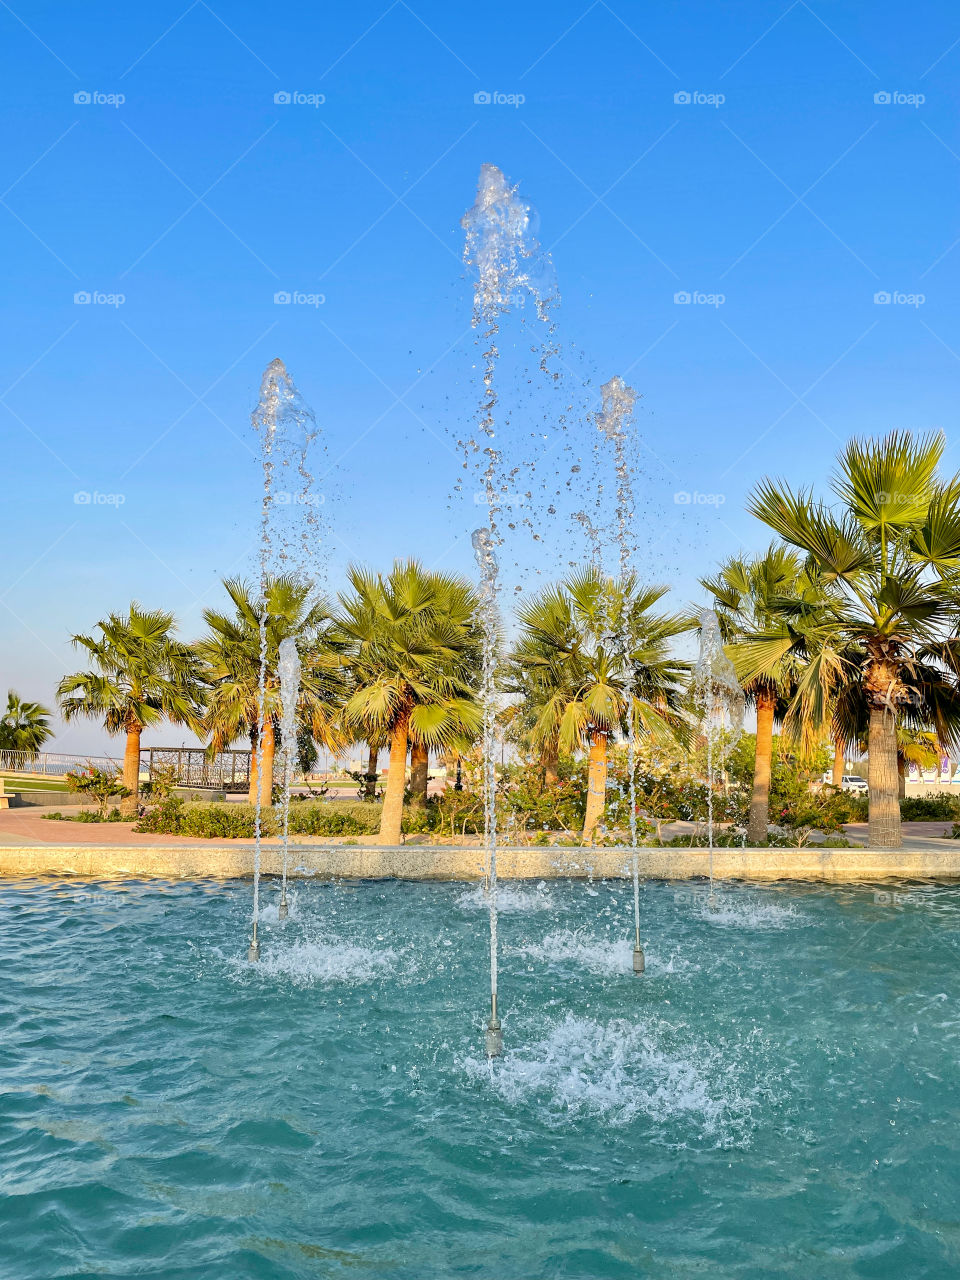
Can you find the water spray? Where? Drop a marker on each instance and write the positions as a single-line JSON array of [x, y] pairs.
[[722, 703], [286, 428], [289, 668], [613, 420], [483, 545]]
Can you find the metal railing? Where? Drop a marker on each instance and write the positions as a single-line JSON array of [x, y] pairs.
[[53, 764]]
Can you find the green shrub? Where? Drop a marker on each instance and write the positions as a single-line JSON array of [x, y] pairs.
[[918, 808], [236, 821], [165, 818], [103, 785]]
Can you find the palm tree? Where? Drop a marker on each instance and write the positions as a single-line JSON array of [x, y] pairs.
[[597, 657], [231, 654], [890, 551], [139, 676], [25, 726], [914, 746], [413, 641], [746, 595]]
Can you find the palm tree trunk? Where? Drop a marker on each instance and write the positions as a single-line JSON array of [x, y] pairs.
[[901, 777], [391, 820], [882, 777], [254, 766], [551, 764], [760, 800], [839, 754], [370, 785], [596, 785], [269, 750], [419, 774], [254, 769], [131, 768]]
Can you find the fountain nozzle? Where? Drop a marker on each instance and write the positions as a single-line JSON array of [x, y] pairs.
[[493, 1037], [253, 954], [639, 963], [282, 908]]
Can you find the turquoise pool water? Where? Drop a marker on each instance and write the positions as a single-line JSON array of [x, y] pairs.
[[778, 1096]]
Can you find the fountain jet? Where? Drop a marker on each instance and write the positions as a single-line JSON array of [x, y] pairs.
[[289, 668], [721, 701], [613, 421], [286, 428]]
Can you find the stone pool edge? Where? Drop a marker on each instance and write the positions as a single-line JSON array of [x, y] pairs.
[[425, 862]]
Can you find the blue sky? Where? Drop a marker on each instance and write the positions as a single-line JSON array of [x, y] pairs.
[[798, 198]]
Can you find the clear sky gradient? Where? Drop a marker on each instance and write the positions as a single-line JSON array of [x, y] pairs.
[[798, 197]]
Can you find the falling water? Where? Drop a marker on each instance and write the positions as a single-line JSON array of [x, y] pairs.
[[721, 705], [289, 668], [510, 269], [613, 421], [483, 546], [288, 528]]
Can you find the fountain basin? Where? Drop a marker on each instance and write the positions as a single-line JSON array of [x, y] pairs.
[[777, 1096], [939, 861]]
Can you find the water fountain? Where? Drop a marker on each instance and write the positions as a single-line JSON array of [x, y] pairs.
[[613, 421], [289, 670], [288, 523], [510, 268], [721, 704]]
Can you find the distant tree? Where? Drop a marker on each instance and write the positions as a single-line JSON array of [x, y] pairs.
[[139, 675], [25, 726]]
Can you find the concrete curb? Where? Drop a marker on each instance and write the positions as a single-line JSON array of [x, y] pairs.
[[424, 862]]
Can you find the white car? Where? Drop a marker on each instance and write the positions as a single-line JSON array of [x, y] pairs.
[[853, 782]]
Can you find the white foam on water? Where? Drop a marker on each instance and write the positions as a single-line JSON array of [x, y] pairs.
[[731, 910], [304, 963], [270, 914], [575, 946], [620, 1071], [509, 899]]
